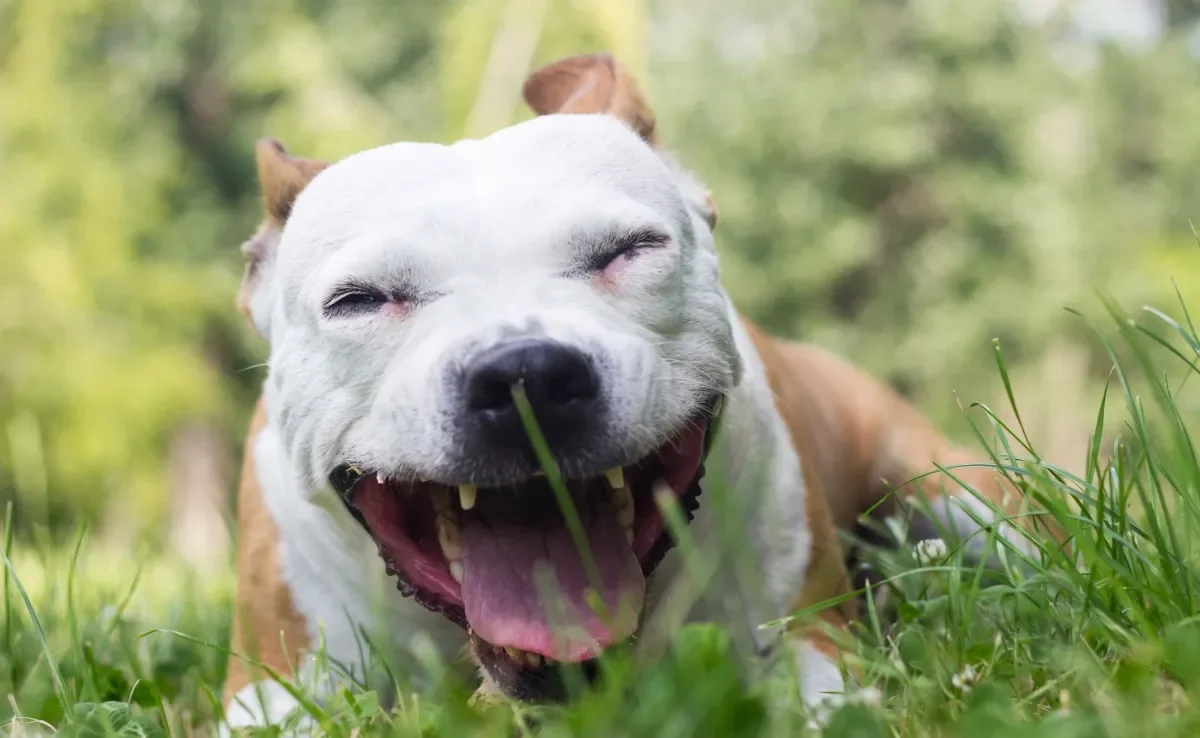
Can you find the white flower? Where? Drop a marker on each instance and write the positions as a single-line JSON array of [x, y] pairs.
[[964, 681], [869, 697], [931, 551]]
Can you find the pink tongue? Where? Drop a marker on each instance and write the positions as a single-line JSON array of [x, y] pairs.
[[505, 585]]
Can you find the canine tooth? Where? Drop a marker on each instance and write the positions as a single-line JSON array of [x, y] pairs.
[[660, 488], [533, 659], [380, 478], [457, 571], [616, 477], [466, 495], [449, 539], [515, 654]]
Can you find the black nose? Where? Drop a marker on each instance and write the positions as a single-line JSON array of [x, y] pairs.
[[558, 380]]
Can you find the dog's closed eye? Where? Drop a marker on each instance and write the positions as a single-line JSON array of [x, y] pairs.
[[626, 247], [356, 298]]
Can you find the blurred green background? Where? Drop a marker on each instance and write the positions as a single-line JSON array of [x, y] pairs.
[[899, 181]]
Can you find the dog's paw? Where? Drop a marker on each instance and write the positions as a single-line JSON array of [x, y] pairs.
[[263, 704], [822, 688], [488, 695], [819, 714]]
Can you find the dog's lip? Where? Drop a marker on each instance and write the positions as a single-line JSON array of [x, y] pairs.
[[344, 476]]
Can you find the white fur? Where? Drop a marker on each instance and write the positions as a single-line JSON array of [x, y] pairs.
[[264, 703], [486, 233], [821, 685]]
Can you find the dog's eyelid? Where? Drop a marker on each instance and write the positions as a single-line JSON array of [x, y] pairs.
[[647, 237], [626, 243], [354, 297]]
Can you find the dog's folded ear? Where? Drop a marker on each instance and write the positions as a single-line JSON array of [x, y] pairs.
[[591, 83], [598, 83], [281, 178]]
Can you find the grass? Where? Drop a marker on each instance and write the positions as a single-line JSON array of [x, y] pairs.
[[1102, 643]]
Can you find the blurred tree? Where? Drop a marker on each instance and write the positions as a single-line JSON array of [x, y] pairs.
[[905, 181], [126, 146]]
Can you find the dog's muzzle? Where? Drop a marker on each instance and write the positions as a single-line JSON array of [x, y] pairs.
[[541, 570]]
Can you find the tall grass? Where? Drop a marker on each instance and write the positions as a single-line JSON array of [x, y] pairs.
[[1099, 639]]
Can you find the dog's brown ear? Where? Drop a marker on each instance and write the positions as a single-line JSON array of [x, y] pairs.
[[281, 178], [598, 83], [592, 83]]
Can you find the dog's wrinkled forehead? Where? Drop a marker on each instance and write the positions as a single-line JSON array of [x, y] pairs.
[[509, 196]]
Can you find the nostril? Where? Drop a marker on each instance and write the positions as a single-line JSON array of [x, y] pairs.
[[555, 377], [573, 381], [489, 391]]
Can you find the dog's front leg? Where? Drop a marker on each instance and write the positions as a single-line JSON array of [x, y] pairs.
[[794, 561], [267, 702]]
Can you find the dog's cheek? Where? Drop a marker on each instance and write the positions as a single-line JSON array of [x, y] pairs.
[[312, 411]]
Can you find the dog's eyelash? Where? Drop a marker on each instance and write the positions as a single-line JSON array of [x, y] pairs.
[[353, 299], [627, 246]]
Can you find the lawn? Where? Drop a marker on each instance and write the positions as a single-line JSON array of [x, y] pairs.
[[1103, 643]]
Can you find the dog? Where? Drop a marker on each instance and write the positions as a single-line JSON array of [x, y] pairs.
[[423, 303]]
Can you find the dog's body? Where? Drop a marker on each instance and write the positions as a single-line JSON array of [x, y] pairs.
[[490, 244]]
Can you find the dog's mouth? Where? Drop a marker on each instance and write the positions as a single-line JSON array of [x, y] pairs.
[[504, 562]]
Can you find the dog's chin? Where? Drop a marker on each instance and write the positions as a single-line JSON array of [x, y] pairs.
[[505, 564]]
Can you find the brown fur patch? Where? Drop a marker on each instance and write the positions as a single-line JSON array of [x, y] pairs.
[[266, 624]]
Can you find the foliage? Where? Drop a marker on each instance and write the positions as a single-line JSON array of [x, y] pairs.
[[904, 182]]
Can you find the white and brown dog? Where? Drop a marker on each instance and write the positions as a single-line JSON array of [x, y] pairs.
[[389, 487]]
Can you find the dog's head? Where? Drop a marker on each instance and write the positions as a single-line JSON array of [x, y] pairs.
[[422, 301]]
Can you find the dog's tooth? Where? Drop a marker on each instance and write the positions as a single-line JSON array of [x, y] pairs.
[[629, 536], [380, 478], [533, 659], [616, 477], [466, 495], [448, 537], [457, 571], [515, 654], [660, 488]]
